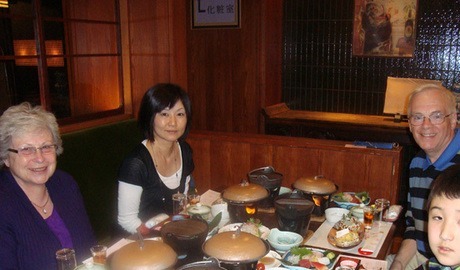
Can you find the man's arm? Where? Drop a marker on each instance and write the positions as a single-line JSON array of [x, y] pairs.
[[405, 253]]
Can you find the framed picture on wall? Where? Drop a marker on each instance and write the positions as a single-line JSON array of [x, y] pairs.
[[384, 28], [215, 13]]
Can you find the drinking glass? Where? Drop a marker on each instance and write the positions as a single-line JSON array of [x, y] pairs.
[[99, 253], [179, 203], [193, 199], [368, 216], [381, 206], [66, 259]]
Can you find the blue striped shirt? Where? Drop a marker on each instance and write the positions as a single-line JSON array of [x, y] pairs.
[[421, 173]]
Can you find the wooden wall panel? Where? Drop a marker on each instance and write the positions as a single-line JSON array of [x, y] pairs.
[[378, 179], [157, 45], [226, 71], [228, 162], [230, 74], [202, 158], [261, 156], [341, 168], [271, 51], [91, 10], [295, 162], [88, 93]]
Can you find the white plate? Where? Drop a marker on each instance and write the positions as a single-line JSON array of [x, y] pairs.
[[264, 231], [345, 204], [297, 267]]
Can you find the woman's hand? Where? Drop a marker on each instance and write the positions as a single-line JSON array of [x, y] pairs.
[[143, 229]]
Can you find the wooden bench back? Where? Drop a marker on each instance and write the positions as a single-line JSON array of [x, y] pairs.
[[223, 159]]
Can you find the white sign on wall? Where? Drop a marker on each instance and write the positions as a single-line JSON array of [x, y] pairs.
[[215, 13]]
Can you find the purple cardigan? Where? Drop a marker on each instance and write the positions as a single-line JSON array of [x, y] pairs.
[[26, 242]]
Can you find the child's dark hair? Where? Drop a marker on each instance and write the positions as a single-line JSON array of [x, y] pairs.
[[447, 184]]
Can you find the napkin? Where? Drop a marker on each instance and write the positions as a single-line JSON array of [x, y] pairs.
[[393, 212], [209, 197], [372, 240]]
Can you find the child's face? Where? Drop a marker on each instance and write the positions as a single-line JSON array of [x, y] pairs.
[[444, 230]]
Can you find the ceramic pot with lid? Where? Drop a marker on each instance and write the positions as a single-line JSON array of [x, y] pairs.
[[293, 212], [243, 200], [236, 249], [185, 236], [270, 179], [151, 255], [318, 190]]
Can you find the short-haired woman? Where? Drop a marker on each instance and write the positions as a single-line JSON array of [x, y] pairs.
[[41, 208]]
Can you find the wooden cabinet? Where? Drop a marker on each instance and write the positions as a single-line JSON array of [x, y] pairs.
[[224, 159]]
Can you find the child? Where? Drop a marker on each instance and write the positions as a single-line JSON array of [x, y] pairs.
[[443, 207]]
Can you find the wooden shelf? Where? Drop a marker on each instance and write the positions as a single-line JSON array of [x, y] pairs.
[[280, 120]]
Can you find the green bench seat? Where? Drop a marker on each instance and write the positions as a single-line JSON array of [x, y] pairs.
[[92, 156]]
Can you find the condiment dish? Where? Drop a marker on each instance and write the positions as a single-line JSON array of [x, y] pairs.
[[283, 241]]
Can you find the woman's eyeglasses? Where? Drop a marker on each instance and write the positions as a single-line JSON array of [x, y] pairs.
[[31, 150]]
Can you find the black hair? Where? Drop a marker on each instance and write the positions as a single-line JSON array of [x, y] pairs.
[[447, 184], [158, 98]]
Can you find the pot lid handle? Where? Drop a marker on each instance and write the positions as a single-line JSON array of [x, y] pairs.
[[244, 182], [238, 231]]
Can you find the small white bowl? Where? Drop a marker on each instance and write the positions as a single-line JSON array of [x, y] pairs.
[[283, 241], [358, 212], [334, 214]]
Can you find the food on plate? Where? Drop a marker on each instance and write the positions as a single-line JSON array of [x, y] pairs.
[[260, 266], [352, 197], [310, 258], [267, 260], [252, 226], [347, 232], [344, 262], [271, 260], [348, 222]]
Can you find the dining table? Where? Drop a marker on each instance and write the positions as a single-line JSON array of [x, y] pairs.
[[268, 218]]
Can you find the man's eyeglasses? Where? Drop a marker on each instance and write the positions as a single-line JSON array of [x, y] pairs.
[[31, 150], [435, 119]]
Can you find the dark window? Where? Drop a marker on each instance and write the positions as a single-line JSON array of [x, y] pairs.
[[62, 54]]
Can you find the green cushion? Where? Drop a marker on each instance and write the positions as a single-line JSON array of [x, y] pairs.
[[92, 156]]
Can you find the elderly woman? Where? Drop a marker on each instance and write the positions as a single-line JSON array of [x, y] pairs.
[[161, 164], [41, 208]]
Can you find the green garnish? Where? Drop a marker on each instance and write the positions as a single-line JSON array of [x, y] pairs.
[[255, 221], [362, 196], [330, 255], [300, 251]]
